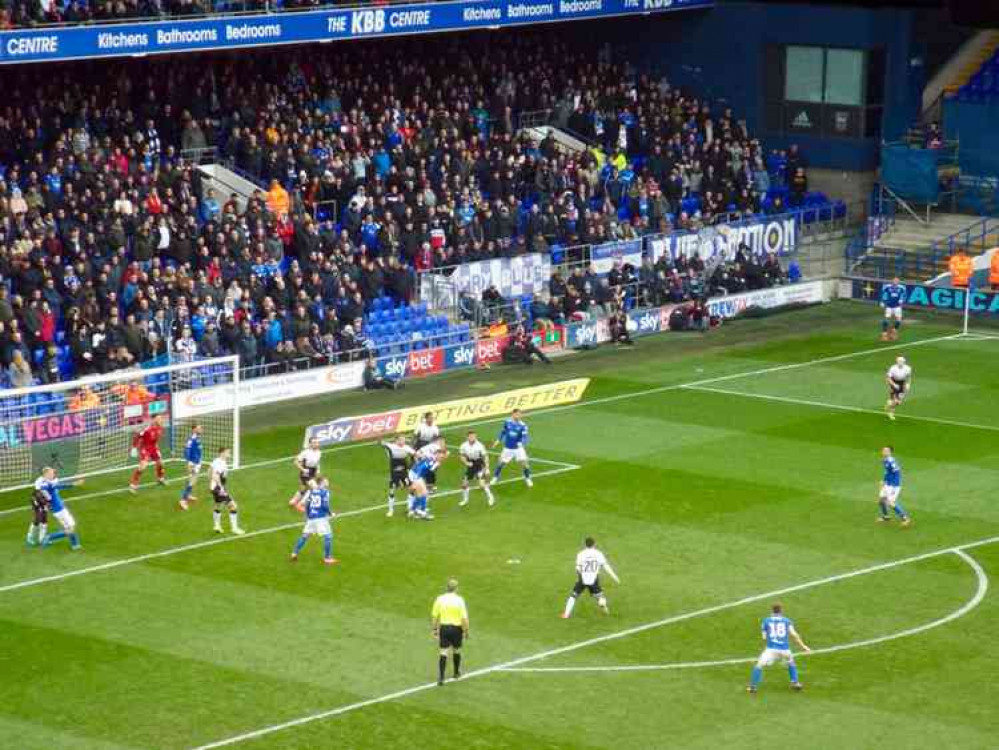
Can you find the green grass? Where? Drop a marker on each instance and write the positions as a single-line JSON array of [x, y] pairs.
[[699, 498]]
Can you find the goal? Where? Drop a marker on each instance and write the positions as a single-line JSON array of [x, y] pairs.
[[85, 427]]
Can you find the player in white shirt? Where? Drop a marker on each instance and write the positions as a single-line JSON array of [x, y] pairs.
[[476, 460], [221, 496], [899, 379], [427, 432], [307, 463], [589, 563]]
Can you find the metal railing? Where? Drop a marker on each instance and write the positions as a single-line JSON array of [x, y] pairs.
[[809, 222]]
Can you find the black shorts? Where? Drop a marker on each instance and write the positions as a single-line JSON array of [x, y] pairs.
[[40, 513], [451, 636], [304, 477], [475, 470], [593, 588], [221, 495], [399, 478], [896, 389]]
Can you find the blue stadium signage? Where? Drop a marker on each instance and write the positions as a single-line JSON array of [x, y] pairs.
[[932, 297], [166, 37]]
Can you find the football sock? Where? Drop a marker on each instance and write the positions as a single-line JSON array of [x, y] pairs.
[[884, 325], [160, 471], [900, 511], [527, 472], [31, 533], [464, 495], [756, 677], [74, 539], [498, 470], [569, 604], [898, 324], [56, 536], [422, 500], [187, 491], [442, 667], [391, 500], [233, 519], [410, 501], [136, 476], [457, 664], [602, 602], [489, 493], [884, 508], [792, 670], [328, 546], [217, 518], [43, 529], [300, 544]]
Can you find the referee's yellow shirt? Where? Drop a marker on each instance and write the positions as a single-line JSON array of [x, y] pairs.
[[449, 609]]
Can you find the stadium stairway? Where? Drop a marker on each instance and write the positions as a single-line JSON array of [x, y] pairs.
[[919, 252]]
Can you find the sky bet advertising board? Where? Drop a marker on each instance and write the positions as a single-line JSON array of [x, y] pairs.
[[167, 37]]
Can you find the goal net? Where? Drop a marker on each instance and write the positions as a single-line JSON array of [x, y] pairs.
[[85, 427]]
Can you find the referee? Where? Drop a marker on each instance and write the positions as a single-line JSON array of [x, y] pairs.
[[449, 619]]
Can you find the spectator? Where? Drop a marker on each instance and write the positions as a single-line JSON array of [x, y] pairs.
[[19, 371]]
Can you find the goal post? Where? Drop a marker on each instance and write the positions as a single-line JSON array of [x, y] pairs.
[[85, 427]]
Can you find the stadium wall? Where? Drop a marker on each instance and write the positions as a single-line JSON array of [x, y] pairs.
[[721, 54]]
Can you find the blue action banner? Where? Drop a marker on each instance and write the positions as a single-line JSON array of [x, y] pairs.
[[219, 33]]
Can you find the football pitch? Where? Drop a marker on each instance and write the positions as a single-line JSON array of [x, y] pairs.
[[719, 473]]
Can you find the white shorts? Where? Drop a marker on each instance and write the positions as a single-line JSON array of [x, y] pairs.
[[193, 469], [893, 313], [318, 526], [513, 454], [774, 655], [65, 518], [890, 493]]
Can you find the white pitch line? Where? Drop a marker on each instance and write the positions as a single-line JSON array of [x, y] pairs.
[[254, 465], [617, 635], [566, 407], [111, 565], [842, 407], [968, 606]]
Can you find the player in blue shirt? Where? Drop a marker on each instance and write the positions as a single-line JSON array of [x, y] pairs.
[[777, 632], [428, 459], [48, 484], [317, 519], [891, 488], [513, 438], [892, 298], [193, 455]]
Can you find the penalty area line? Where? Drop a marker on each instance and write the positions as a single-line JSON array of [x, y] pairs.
[[509, 666], [113, 564]]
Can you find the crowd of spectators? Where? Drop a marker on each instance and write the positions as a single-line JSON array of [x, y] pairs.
[[29, 13], [376, 161]]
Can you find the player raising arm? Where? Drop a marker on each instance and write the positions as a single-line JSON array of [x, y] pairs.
[[425, 465], [892, 297], [399, 454], [307, 463], [589, 562], [899, 380], [221, 496], [192, 454], [427, 432], [318, 516], [513, 438], [476, 460], [777, 630], [48, 484], [146, 446]]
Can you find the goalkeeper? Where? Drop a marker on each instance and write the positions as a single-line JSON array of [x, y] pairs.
[[146, 446]]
